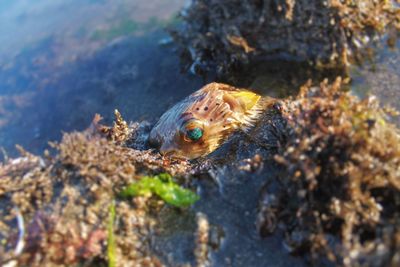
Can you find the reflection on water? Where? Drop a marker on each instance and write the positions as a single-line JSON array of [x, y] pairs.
[[380, 75], [63, 61], [77, 25]]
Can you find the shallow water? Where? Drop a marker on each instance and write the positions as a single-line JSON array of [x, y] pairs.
[[62, 62], [380, 76]]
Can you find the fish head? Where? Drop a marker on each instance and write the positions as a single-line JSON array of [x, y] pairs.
[[199, 124]]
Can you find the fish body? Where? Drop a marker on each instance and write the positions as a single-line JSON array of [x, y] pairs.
[[204, 120]]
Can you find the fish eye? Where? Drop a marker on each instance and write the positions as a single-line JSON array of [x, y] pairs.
[[192, 131], [194, 134]]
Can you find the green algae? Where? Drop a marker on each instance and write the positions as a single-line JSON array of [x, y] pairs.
[[124, 27], [163, 186], [339, 158], [111, 237], [128, 26], [62, 199]]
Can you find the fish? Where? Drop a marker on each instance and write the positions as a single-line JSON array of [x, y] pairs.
[[200, 123]]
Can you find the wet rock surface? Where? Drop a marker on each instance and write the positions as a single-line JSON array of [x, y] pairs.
[[339, 195], [222, 35], [320, 170], [65, 202], [91, 165]]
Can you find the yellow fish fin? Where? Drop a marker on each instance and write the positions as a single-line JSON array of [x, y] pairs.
[[246, 99]]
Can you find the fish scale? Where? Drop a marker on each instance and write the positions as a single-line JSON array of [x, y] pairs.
[[214, 112]]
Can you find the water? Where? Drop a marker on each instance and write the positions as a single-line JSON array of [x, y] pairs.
[[380, 75], [63, 61]]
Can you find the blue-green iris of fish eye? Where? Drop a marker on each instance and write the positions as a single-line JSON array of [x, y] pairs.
[[194, 134]]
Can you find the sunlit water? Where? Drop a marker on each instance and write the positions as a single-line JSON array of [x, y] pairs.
[[63, 61]]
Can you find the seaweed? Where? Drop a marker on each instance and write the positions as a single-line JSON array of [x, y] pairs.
[[61, 198], [163, 186], [111, 237], [338, 197], [225, 35]]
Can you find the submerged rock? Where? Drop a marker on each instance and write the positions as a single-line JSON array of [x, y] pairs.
[[335, 195], [339, 196], [222, 35], [65, 200]]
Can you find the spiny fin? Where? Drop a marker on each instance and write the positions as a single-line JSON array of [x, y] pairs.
[[246, 99]]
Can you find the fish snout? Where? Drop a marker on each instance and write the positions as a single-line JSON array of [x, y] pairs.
[[165, 146], [169, 153], [168, 150]]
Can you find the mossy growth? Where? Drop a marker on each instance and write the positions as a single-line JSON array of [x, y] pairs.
[[55, 209], [163, 186], [339, 194], [224, 35]]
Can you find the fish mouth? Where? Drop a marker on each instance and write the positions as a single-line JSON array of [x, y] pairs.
[[169, 151], [165, 147], [173, 154]]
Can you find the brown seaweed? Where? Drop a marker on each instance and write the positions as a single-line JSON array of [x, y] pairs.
[[224, 35], [65, 199], [339, 196]]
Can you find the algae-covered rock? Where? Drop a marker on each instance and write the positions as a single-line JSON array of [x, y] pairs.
[[55, 210], [339, 195], [335, 193], [224, 34]]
